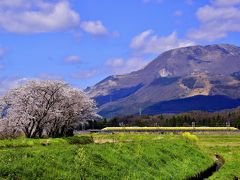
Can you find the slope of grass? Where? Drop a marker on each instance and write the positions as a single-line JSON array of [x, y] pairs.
[[132, 156], [227, 146]]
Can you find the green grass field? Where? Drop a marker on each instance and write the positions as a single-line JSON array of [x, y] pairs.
[[227, 146], [118, 156]]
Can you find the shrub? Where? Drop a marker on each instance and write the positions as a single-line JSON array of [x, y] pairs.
[[80, 140], [189, 136]]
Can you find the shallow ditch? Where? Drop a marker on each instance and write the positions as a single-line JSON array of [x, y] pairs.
[[211, 170]]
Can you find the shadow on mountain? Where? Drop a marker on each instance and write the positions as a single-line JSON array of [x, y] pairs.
[[202, 103]]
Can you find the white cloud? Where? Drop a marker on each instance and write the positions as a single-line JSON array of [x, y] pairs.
[[145, 44], [149, 43], [72, 58], [113, 66], [94, 27], [85, 74], [122, 66], [37, 16], [139, 40], [14, 4], [217, 20], [40, 16]]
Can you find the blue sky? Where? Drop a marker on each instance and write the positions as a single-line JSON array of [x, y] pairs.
[[84, 41]]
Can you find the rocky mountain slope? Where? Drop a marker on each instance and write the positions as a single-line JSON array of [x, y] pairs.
[[176, 74]]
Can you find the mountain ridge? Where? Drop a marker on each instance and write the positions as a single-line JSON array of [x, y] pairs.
[[175, 74]]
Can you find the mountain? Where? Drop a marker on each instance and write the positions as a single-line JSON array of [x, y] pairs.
[[204, 103], [212, 71]]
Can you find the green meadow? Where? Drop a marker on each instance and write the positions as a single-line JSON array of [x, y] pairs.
[[228, 146], [119, 156]]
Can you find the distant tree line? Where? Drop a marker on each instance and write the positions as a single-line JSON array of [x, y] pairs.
[[195, 118]]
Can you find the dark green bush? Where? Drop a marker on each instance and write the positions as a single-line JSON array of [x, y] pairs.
[[80, 140]]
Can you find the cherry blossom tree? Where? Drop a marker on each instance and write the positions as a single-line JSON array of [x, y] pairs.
[[46, 108]]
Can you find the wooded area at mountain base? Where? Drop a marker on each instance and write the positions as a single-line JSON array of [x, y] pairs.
[[196, 118]]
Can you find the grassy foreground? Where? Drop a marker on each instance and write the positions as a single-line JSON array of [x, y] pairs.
[[130, 156], [227, 146]]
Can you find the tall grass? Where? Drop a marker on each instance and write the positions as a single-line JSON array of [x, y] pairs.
[[132, 156]]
